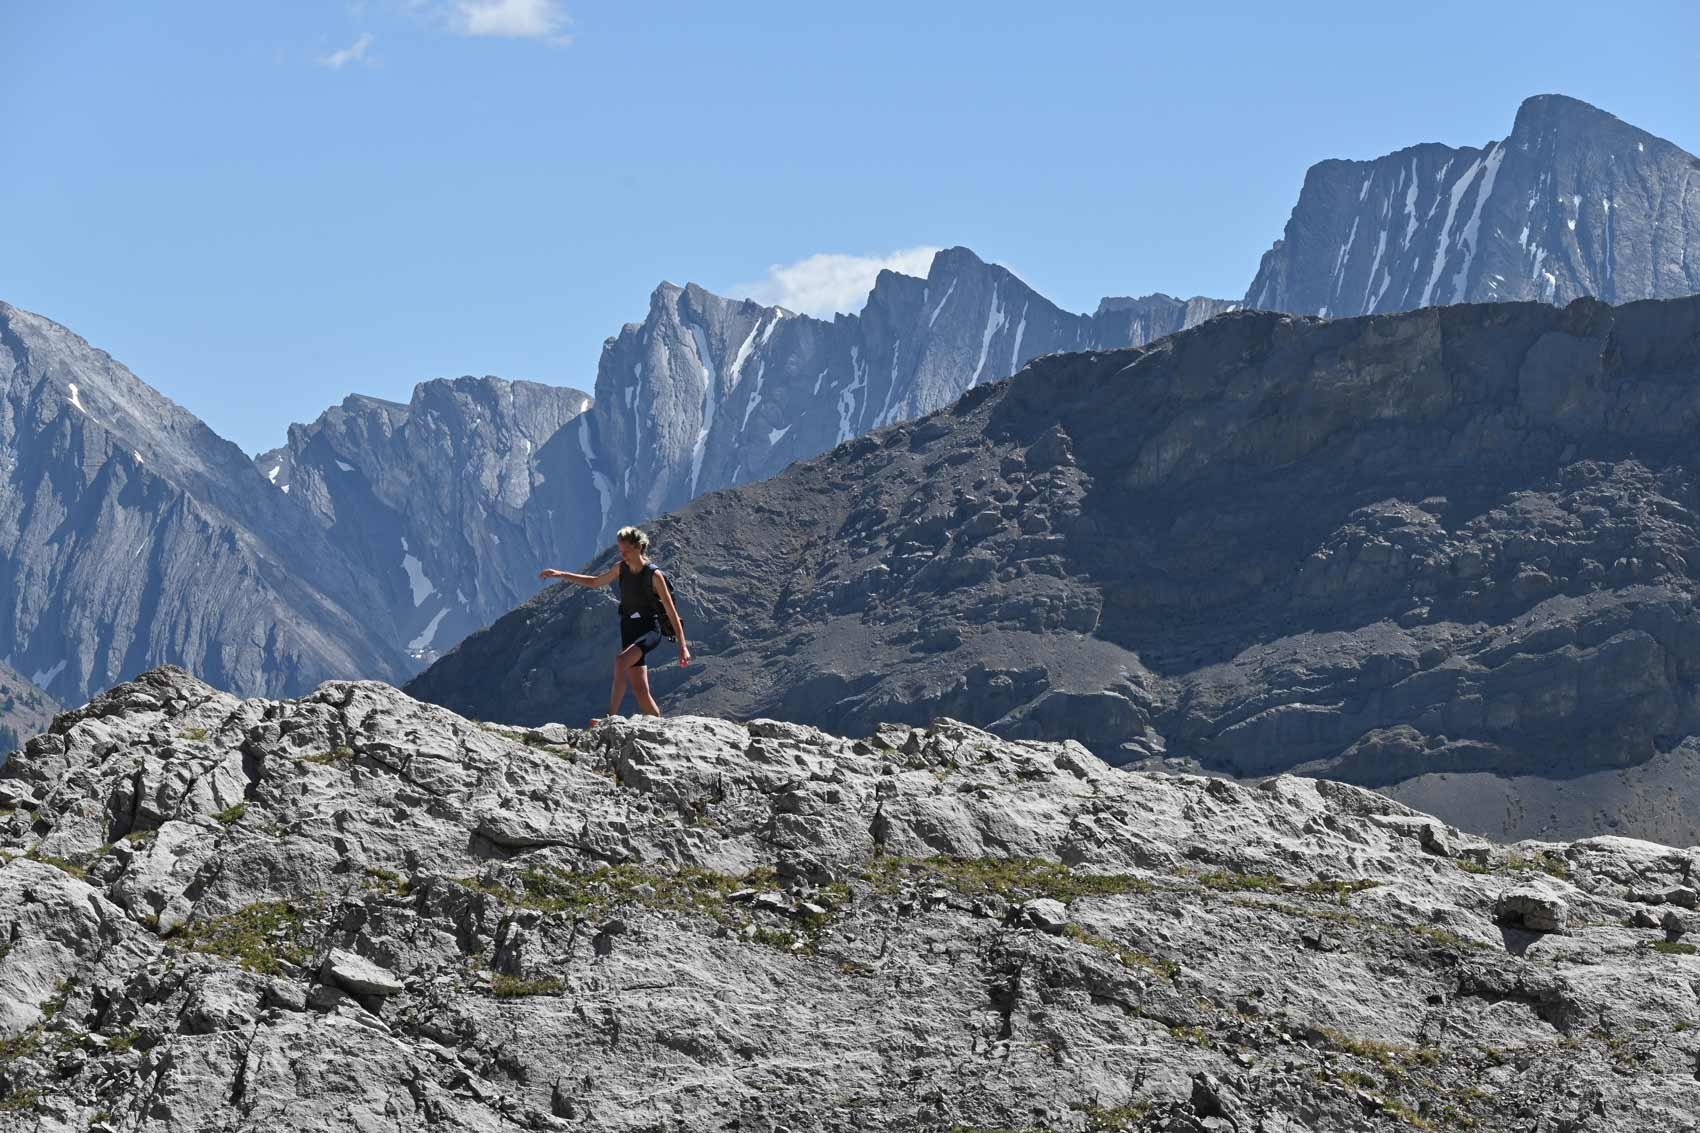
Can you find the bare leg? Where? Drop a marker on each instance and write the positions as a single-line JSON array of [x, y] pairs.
[[640, 686], [622, 669]]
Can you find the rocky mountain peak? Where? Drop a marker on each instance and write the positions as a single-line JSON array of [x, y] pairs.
[[1573, 203], [709, 392], [400, 487], [119, 504], [1542, 114]]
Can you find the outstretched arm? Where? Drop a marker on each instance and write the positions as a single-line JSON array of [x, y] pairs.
[[591, 580], [666, 596]]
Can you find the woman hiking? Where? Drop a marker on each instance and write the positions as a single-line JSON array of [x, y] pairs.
[[644, 601]]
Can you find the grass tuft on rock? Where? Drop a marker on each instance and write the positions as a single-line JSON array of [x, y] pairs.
[[75, 869], [387, 881], [1129, 957], [19, 1101], [595, 895], [1014, 879], [261, 937], [517, 987], [1104, 1119]]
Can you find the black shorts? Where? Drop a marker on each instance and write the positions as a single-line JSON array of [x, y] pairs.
[[641, 632]]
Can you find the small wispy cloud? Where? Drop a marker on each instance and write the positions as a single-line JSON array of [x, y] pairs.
[[512, 19], [353, 53], [830, 282]]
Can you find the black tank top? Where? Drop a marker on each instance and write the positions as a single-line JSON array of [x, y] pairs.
[[635, 592]]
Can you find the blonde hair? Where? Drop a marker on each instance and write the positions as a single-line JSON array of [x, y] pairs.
[[635, 537]]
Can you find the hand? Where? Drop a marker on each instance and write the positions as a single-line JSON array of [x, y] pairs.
[[684, 656], [551, 573]]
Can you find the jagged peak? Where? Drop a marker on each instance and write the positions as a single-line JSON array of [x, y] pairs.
[[1565, 118], [955, 258], [1128, 302]]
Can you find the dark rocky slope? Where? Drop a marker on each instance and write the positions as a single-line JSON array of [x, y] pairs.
[[355, 911], [1574, 202], [1425, 552]]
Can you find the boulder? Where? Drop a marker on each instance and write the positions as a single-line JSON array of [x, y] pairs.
[[1533, 907], [359, 975]]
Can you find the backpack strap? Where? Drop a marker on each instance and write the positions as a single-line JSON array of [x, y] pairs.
[[655, 607]]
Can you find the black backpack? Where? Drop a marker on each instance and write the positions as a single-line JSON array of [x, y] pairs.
[[656, 609]]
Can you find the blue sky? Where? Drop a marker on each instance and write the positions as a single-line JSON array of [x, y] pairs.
[[262, 208]]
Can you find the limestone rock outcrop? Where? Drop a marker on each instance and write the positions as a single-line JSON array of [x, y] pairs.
[[385, 915]]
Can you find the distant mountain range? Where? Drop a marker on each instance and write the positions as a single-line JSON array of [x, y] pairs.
[[382, 533], [709, 392]]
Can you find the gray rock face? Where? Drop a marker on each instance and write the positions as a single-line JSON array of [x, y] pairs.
[[448, 503], [131, 534], [1444, 553], [708, 392], [1574, 203], [709, 922], [24, 709]]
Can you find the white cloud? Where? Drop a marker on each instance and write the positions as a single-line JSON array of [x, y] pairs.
[[828, 282], [512, 19], [354, 53]]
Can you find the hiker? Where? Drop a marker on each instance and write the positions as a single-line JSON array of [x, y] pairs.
[[647, 617]]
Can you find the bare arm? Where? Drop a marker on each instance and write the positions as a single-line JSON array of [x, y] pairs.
[[666, 596], [591, 580]]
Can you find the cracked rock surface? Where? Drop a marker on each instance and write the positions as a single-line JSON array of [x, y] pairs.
[[358, 911]]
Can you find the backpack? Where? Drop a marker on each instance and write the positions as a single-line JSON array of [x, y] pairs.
[[656, 609]]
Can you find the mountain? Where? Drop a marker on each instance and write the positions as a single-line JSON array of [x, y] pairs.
[[1449, 554], [131, 534], [453, 502], [24, 709], [448, 503], [710, 392], [1573, 203], [352, 910], [379, 534]]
